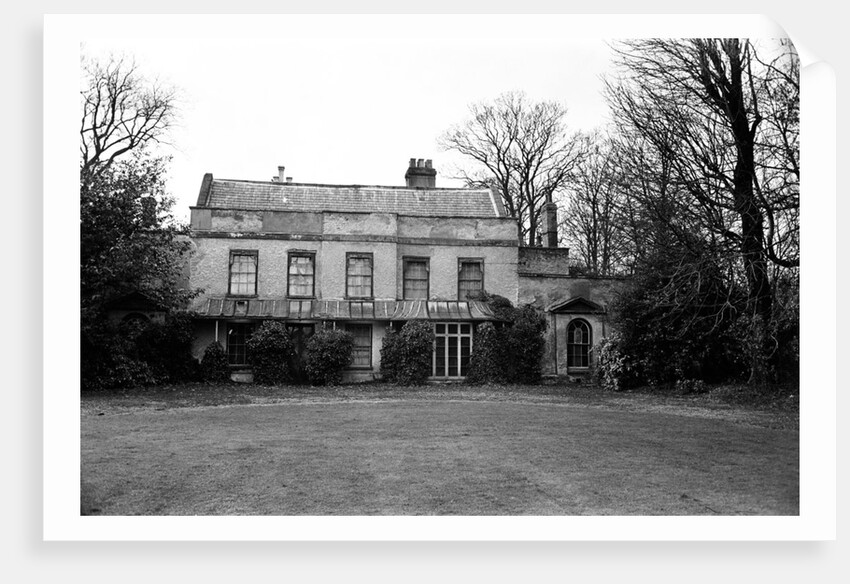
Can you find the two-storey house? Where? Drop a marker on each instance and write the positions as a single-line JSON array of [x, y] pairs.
[[363, 258]]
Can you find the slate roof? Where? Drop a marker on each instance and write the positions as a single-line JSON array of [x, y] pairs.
[[282, 308], [261, 196]]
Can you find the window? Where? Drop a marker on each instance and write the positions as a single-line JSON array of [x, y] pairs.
[[358, 275], [578, 344], [301, 277], [415, 277], [243, 273], [361, 354], [470, 277], [237, 339], [452, 348]]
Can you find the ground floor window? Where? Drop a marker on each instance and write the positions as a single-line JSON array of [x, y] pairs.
[[238, 334], [578, 344], [452, 348], [361, 354]]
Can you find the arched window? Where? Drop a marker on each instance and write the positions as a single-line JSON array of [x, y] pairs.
[[578, 344]]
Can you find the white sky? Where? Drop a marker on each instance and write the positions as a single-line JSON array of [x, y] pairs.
[[349, 99], [347, 111]]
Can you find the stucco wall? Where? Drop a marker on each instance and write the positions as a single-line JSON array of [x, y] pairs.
[[500, 276], [332, 258], [373, 224], [458, 228], [544, 291], [544, 260], [444, 240], [211, 263]]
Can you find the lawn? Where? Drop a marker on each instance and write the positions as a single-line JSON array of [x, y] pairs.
[[437, 450]]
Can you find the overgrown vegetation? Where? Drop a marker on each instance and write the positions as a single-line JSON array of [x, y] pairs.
[[328, 353], [214, 366], [129, 241], [511, 353], [269, 352], [406, 355], [134, 353]]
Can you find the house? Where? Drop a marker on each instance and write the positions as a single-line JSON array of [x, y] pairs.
[[368, 258]]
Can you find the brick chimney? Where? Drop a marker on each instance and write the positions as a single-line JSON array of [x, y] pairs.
[[420, 173], [551, 224]]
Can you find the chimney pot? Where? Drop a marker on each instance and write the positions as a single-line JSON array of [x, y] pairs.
[[420, 163], [428, 163], [280, 171], [412, 163], [289, 179]]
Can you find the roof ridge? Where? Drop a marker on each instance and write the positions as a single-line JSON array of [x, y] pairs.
[[350, 186]]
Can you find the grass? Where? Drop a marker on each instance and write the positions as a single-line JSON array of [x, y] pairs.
[[434, 450]]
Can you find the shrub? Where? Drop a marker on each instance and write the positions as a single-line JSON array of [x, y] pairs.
[[269, 352], [488, 355], [688, 386], [214, 366], [613, 368], [136, 353], [328, 352], [525, 345], [406, 355], [167, 349], [512, 353]]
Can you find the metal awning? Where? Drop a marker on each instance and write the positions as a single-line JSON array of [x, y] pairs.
[[286, 309]]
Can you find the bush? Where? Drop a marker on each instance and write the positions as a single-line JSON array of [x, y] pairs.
[[690, 386], [214, 366], [167, 349], [525, 345], [406, 355], [488, 355], [136, 353], [269, 352], [512, 353], [612, 367], [328, 352]]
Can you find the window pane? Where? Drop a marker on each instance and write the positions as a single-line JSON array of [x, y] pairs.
[[440, 357], [301, 273], [453, 356], [465, 351], [470, 278], [359, 277], [243, 273], [415, 279], [237, 335], [578, 344]]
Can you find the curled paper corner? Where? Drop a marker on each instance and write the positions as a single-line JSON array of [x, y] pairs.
[[806, 55]]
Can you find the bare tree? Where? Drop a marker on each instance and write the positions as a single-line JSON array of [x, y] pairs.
[[593, 218], [725, 123], [121, 112], [522, 149]]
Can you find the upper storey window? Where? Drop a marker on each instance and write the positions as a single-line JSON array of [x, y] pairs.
[[301, 278], [470, 277], [415, 277], [243, 273], [358, 275]]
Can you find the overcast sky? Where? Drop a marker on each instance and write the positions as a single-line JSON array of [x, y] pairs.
[[347, 111], [350, 99]]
